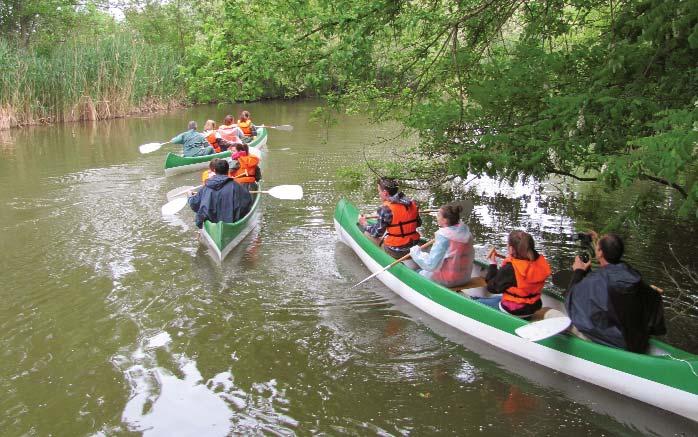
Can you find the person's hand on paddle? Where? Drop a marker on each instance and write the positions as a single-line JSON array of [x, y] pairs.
[[362, 220], [492, 255], [580, 265]]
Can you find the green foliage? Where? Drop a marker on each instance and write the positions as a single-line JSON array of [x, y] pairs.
[[78, 63], [350, 178]]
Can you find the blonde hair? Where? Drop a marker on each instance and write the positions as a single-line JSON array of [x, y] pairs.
[[209, 125]]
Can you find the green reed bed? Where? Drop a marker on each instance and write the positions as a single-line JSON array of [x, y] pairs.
[[86, 79]]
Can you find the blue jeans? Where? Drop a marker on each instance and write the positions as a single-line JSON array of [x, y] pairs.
[[490, 301]]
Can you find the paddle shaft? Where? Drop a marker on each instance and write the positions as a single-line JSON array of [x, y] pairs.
[[398, 261]]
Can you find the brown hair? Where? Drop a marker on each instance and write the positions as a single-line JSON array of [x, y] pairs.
[[389, 185], [245, 115], [228, 120], [523, 245], [451, 213]]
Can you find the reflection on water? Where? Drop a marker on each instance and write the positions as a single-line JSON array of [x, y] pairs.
[[116, 320]]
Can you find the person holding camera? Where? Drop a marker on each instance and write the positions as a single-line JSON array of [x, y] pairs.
[[612, 305]]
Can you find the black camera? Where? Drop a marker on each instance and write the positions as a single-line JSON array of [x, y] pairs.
[[585, 241]]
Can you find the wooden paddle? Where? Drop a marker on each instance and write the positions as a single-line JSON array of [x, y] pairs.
[[394, 263], [284, 192], [151, 147], [286, 127]]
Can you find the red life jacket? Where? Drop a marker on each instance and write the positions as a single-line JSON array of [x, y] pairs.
[[211, 138], [403, 229], [248, 168], [530, 279]]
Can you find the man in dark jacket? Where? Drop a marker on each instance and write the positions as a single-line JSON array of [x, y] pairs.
[[613, 305], [221, 198]]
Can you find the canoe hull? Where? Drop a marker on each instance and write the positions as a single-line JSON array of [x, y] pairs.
[[221, 238], [176, 164], [610, 368]]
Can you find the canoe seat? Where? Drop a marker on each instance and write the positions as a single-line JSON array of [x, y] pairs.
[[475, 282]]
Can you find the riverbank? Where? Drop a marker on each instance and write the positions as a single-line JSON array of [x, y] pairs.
[[86, 109], [87, 79]]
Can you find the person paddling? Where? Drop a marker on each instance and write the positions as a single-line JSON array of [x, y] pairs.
[[193, 143], [398, 220], [229, 131], [521, 278], [221, 198], [450, 260], [214, 137], [248, 129]]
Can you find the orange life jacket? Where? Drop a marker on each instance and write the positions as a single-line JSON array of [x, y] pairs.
[[229, 133], [246, 127], [211, 138], [248, 168], [403, 229], [530, 278], [206, 174]]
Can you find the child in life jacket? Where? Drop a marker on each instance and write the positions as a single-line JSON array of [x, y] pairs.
[[450, 260], [210, 172], [248, 129], [520, 279], [229, 131], [214, 137], [245, 167]]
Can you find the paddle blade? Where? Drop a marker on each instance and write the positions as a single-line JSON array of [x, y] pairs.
[[180, 191], [286, 127], [286, 192], [150, 147], [543, 329], [174, 206]]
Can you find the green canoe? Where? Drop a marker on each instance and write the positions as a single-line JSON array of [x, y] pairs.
[[175, 164], [666, 377], [222, 237]]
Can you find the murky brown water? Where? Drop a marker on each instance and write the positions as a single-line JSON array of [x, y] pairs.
[[115, 321]]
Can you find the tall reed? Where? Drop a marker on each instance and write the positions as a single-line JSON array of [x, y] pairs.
[[86, 79]]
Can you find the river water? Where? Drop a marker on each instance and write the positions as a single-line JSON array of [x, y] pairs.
[[115, 321]]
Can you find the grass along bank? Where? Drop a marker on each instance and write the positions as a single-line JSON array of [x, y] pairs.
[[86, 79]]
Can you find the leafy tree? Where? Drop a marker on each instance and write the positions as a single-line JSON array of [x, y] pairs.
[[594, 90]]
